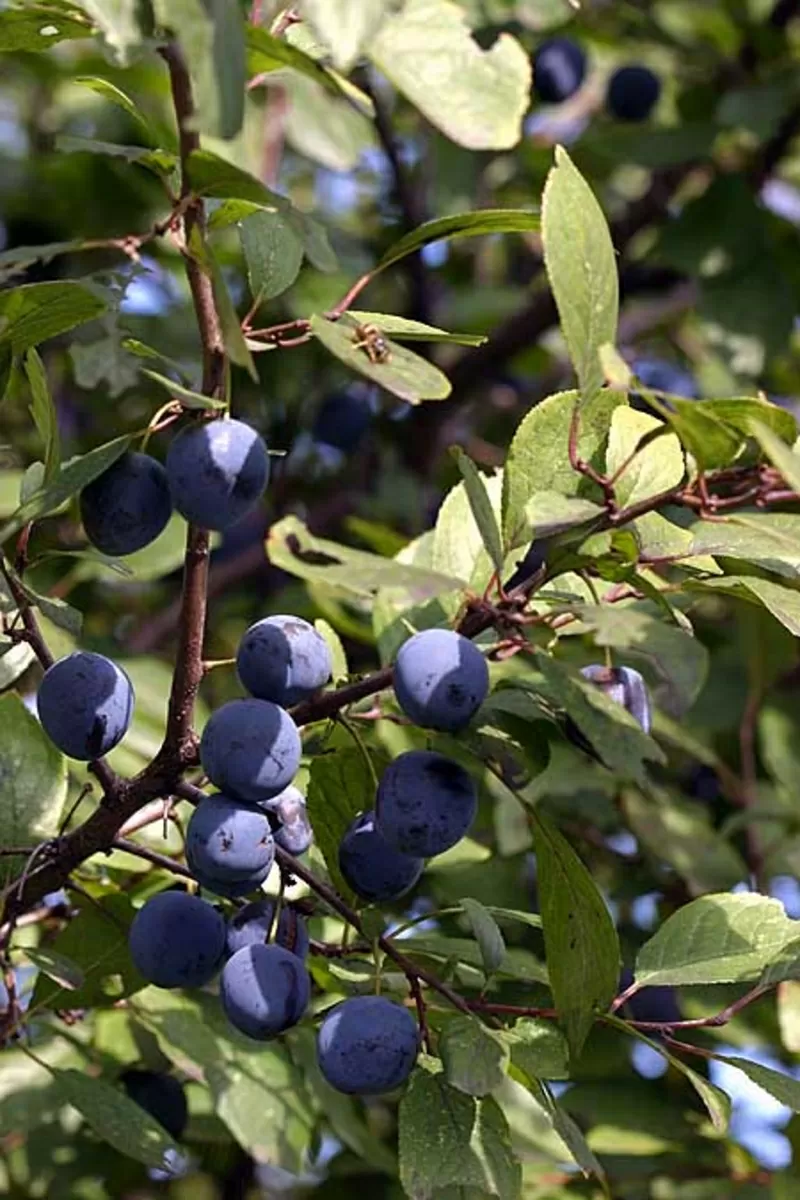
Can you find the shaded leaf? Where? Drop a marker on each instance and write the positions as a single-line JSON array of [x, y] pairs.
[[118, 1120], [44, 412], [487, 934], [567, 1129], [450, 1140], [211, 34], [187, 397], [481, 506], [783, 1087], [273, 253], [34, 28], [461, 225], [538, 1048], [62, 970], [579, 935], [475, 1058], [783, 602], [36, 312], [787, 461], [339, 788], [33, 781]]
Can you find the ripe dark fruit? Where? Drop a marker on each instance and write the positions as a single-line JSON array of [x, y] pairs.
[[250, 750], [229, 842], [283, 659], [367, 1045], [624, 686], [162, 1096], [425, 803], [559, 68], [662, 376], [527, 567], [85, 704], [343, 420], [217, 472], [264, 990], [291, 827], [177, 940], [373, 868], [253, 922], [440, 679], [633, 93], [127, 506]]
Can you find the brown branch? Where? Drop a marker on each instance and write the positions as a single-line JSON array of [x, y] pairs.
[[152, 856]]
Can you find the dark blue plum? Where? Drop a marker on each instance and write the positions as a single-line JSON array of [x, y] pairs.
[[661, 376], [633, 93], [217, 472], [373, 868], [291, 827], [250, 750], [128, 506], [283, 659], [264, 990], [440, 679], [425, 803], [252, 923], [228, 841], [231, 889], [177, 940], [85, 704], [162, 1096], [534, 560], [559, 68], [624, 686], [367, 1045], [343, 420]]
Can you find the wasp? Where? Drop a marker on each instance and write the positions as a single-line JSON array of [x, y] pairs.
[[370, 339]]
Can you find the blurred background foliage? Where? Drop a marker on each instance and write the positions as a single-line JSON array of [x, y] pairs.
[[704, 203]]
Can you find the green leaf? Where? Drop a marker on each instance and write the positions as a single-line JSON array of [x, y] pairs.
[[210, 175], [487, 934], [339, 672], [449, 1140], [340, 787], [13, 262], [548, 513], [44, 412], [291, 547], [656, 467], [96, 941], [481, 506], [567, 1129], [343, 27], [256, 1090], [580, 939], [582, 269], [768, 539], [121, 24], [187, 397], [782, 602], [235, 344], [36, 312], [475, 1058], [403, 374], [717, 1102], [331, 130], [273, 253], [160, 162], [71, 478], [118, 1120], [538, 457], [476, 97], [266, 53], [37, 28], [211, 34], [538, 1049], [414, 331], [517, 963], [460, 225], [743, 413], [783, 1087], [110, 91], [787, 461], [62, 970], [33, 782], [6, 368], [458, 548], [710, 441], [719, 938]]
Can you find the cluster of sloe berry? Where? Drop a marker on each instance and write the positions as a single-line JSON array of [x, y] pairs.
[[250, 751], [559, 69]]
